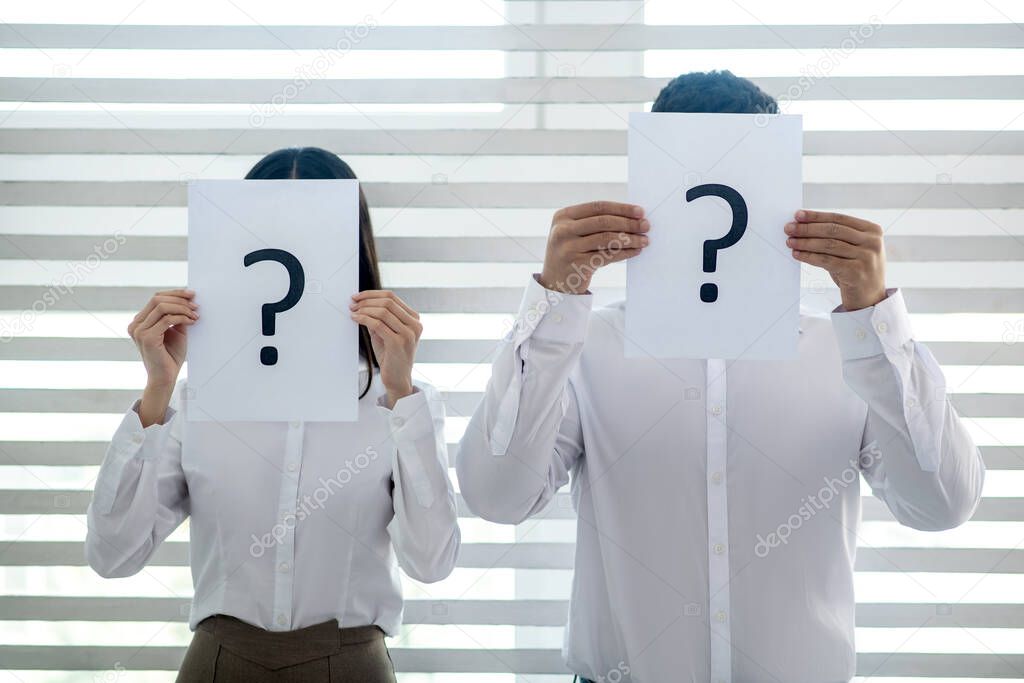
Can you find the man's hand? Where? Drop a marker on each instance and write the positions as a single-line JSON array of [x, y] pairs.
[[850, 249], [587, 236]]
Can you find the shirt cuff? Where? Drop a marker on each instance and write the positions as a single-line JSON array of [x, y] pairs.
[[411, 421], [410, 417], [132, 438], [873, 331], [130, 441], [551, 316]]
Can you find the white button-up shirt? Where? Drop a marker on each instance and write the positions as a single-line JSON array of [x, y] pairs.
[[292, 523], [717, 501]]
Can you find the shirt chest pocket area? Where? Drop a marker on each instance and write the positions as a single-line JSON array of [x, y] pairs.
[[232, 464], [806, 422], [345, 472]]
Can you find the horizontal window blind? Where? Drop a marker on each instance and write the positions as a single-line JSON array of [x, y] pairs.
[[469, 123]]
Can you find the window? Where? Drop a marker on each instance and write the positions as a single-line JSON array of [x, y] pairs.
[[469, 122]]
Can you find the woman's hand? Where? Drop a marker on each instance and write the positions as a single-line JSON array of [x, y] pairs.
[[394, 332], [159, 331]]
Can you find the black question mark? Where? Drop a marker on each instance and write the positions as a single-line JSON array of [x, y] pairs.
[[297, 283], [709, 290]]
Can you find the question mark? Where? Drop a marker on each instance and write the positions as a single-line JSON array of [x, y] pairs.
[[709, 290], [297, 283]]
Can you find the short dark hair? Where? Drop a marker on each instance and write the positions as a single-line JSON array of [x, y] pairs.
[[714, 92]]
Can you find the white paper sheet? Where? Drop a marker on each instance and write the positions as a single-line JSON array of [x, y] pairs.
[[755, 312], [314, 376]]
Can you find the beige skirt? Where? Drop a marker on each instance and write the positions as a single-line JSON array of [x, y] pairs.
[[226, 650]]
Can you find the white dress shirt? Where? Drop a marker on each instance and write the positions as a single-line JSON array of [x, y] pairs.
[[292, 524], [717, 501]]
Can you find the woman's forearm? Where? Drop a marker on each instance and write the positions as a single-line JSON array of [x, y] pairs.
[[153, 406]]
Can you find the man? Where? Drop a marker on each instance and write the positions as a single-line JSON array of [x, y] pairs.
[[718, 502]]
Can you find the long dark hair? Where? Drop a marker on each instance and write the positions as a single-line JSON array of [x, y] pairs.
[[314, 163]]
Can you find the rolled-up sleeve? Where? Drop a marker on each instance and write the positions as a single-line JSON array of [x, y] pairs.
[[917, 455], [425, 529], [140, 495], [524, 437]]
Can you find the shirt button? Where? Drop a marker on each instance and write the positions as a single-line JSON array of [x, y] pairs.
[[860, 334], [882, 328], [399, 421], [557, 317], [282, 620], [716, 410], [720, 616], [284, 567], [294, 424], [292, 467], [911, 403], [716, 477], [137, 437], [719, 548]]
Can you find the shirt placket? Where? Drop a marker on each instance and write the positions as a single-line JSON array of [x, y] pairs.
[[718, 524], [284, 567]]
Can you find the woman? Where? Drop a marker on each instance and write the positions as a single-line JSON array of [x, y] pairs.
[[295, 527]]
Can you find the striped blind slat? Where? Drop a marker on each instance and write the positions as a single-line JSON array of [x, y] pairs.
[[72, 502], [533, 110], [491, 299], [473, 249], [443, 350], [491, 612], [512, 142], [90, 453], [525, 555], [544, 90], [459, 402], [518, 195], [429, 351], [528, 38], [521, 661]]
